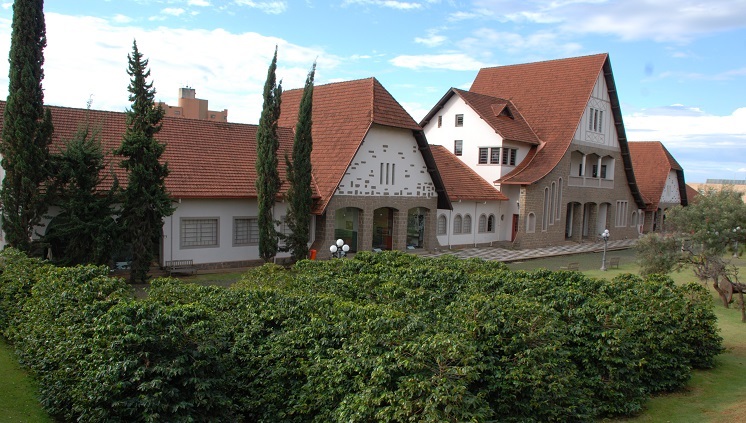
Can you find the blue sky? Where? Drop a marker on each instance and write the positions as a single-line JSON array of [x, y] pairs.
[[679, 65]]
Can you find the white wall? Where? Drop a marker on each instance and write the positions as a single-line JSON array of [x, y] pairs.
[[671, 192], [474, 209], [404, 172], [225, 211], [475, 133], [599, 100]]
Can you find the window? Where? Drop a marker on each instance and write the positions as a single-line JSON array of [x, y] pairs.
[[491, 223], [442, 225], [284, 229], [603, 171], [558, 210], [440, 121], [458, 147], [201, 232], [580, 169], [483, 154], [595, 171], [245, 231], [457, 224], [552, 197], [621, 213], [482, 224], [509, 156], [467, 224], [495, 155], [531, 223], [545, 215], [387, 174], [459, 120], [595, 120]]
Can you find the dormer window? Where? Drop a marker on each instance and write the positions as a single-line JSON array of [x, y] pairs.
[[459, 120], [595, 120]]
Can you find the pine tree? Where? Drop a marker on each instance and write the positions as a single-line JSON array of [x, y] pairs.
[[299, 174], [27, 129], [84, 231], [268, 178], [145, 201]]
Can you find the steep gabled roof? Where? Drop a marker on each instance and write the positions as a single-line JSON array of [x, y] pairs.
[[206, 159], [343, 113], [502, 115], [461, 182], [552, 96], [652, 164]]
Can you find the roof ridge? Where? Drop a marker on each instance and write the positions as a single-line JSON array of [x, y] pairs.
[[548, 61]]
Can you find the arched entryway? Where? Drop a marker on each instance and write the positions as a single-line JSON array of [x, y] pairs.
[[416, 227], [383, 228], [347, 226]]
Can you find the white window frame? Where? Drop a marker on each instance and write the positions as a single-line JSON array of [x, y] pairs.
[[202, 239]]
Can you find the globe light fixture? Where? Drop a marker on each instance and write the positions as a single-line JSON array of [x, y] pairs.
[[339, 249], [605, 235]]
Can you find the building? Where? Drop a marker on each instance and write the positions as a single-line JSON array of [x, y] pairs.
[[738, 185], [661, 182], [378, 183], [550, 136], [191, 107]]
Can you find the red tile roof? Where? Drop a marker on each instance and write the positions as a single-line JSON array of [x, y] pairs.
[[552, 97], [461, 182], [652, 164], [206, 159], [502, 115], [343, 112], [691, 194]]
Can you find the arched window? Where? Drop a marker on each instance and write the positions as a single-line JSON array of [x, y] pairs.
[[457, 224], [551, 211], [633, 221], [531, 223], [545, 215], [442, 224], [558, 205], [491, 223], [482, 224], [467, 224]]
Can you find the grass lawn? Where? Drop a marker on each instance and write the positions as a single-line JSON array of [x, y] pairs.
[[18, 401], [717, 395]]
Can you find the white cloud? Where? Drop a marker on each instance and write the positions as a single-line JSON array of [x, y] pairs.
[[433, 39], [488, 39], [198, 3], [173, 11], [202, 59], [399, 5], [270, 7], [121, 19], [662, 20], [450, 61]]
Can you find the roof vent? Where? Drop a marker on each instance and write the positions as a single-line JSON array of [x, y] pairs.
[[501, 109]]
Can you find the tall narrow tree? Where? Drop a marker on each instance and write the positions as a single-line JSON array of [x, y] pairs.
[[299, 175], [267, 175], [27, 129], [145, 201]]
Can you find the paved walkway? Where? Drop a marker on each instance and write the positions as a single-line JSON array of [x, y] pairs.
[[503, 254]]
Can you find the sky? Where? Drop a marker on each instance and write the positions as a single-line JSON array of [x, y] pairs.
[[679, 65]]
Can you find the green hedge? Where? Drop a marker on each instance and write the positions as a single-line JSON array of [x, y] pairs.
[[382, 337]]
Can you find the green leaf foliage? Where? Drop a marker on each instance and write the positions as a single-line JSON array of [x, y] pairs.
[[385, 337], [267, 175], [145, 200], [27, 128]]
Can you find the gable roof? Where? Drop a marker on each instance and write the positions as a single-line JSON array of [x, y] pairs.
[[461, 182], [552, 96], [502, 115], [343, 113], [206, 159], [652, 164]]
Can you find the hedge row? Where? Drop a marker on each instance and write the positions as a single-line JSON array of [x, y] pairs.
[[382, 337]]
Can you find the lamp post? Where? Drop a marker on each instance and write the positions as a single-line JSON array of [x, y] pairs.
[[605, 236], [736, 231], [339, 249]]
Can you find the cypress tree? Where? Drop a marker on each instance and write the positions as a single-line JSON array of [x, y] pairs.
[[299, 174], [267, 175], [27, 129], [145, 201], [84, 231]]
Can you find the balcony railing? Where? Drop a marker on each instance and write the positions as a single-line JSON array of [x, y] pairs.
[[585, 181]]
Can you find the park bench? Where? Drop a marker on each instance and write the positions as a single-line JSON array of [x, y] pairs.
[[614, 262], [570, 266], [180, 267]]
